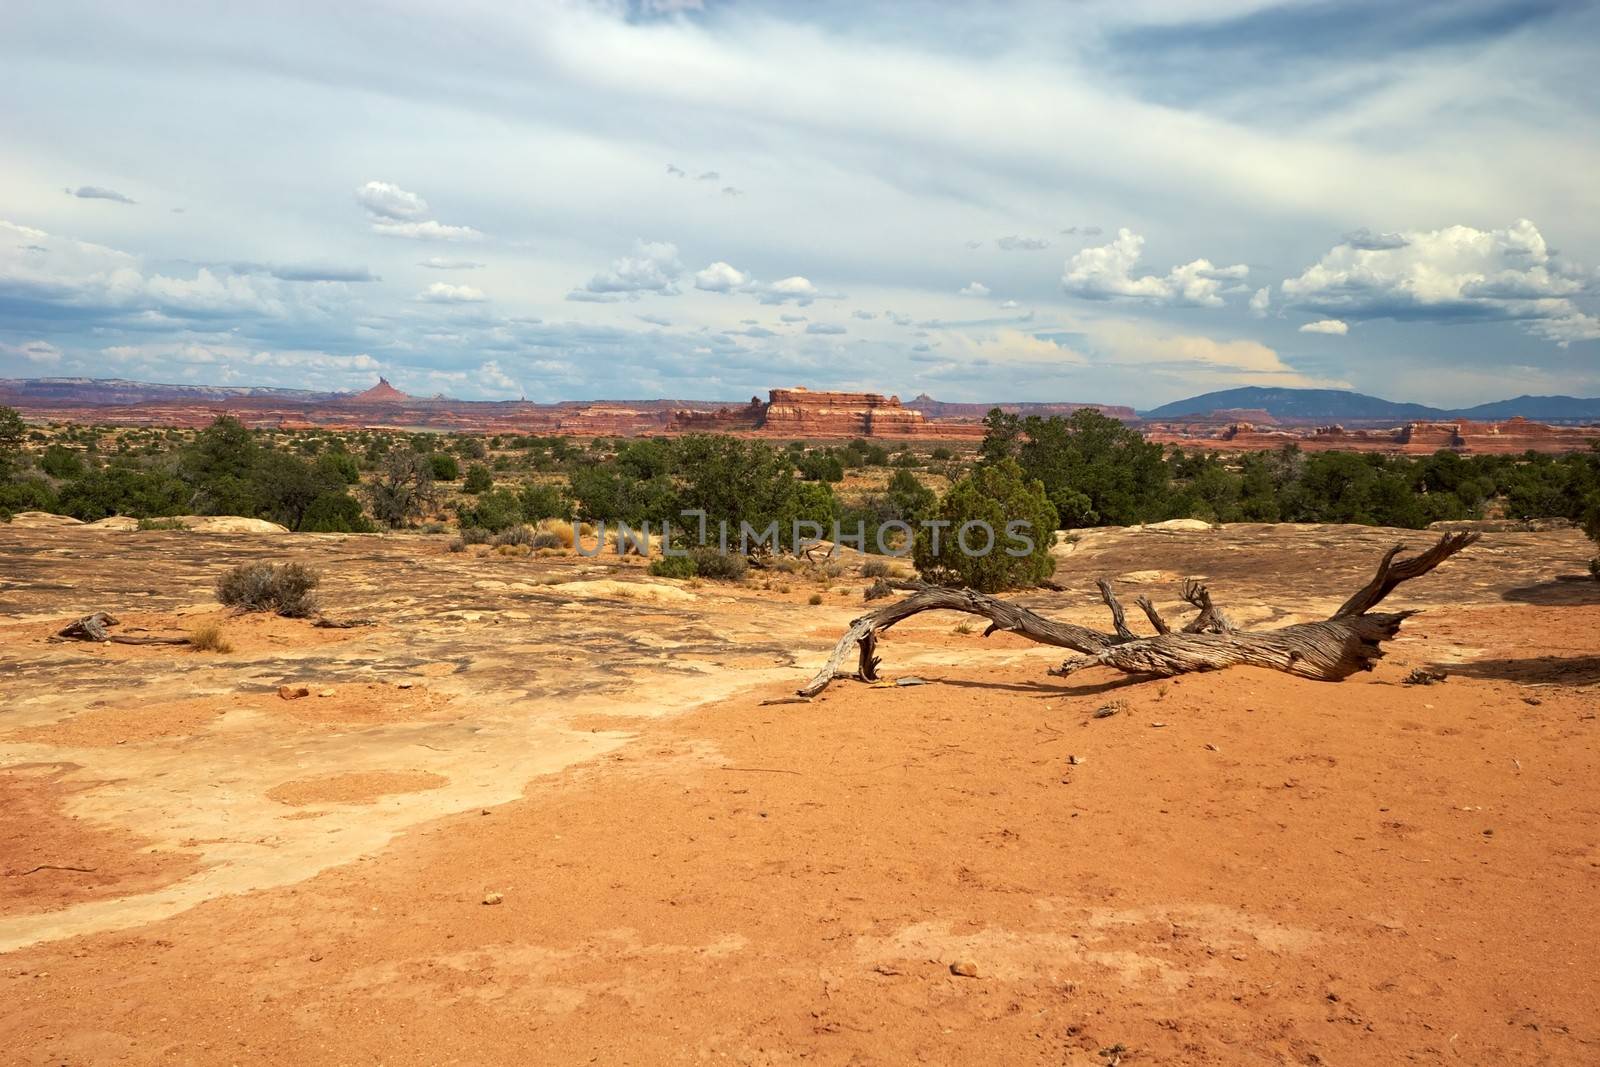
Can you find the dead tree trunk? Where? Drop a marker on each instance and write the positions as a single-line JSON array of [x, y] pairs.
[[1331, 649]]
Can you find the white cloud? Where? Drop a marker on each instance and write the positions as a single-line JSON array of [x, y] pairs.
[[1010, 305], [861, 313], [1453, 274], [793, 289], [386, 200], [1261, 301], [445, 293], [719, 277], [1200, 358], [652, 267], [975, 289], [395, 212], [1105, 272], [1333, 326], [42, 352], [1012, 346], [825, 328]]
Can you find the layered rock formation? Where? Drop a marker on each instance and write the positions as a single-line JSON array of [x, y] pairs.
[[1412, 438]]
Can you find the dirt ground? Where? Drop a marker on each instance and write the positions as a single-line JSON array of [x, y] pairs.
[[497, 840]]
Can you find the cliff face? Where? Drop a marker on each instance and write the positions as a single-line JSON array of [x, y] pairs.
[[801, 413], [940, 409], [1413, 438]]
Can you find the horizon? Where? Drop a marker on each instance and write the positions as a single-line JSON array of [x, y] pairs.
[[683, 199]]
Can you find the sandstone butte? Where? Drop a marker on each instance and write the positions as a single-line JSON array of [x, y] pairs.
[[788, 413]]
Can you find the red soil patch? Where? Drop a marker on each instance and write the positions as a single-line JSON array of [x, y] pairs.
[[51, 860], [357, 787]]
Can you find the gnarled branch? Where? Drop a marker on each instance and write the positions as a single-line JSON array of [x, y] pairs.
[[1331, 649]]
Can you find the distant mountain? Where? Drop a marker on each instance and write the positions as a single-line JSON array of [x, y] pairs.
[[1297, 404], [117, 391], [1537, 408], [382, 393]]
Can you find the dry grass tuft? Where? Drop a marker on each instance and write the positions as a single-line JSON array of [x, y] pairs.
[[207, 637]]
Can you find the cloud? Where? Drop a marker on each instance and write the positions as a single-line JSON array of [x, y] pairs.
[[1261, 301], [974, 244], [1368, 241], [1455, 274], [974, 289], [306, 272], [97, 192], [708, 176], [1104, 272], [445, 293], [441, 263], [728, 190], [1010, 304], [793, 289], [395, 212], [428, 230], [40, 352], [676, 171], [719, 277], [860, 313], [386, 200], [1333, 326], [1199, 358], [652, 267], [654, 320], [791, 318], [1014, 243], [825, 327]]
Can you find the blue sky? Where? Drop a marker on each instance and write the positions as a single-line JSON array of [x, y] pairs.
[[1127, 201]]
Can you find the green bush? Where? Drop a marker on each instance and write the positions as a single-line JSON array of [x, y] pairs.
[[284, 588], [673, 567], [995, 494], [495, 510], [479, 479], [335, 512], [709, 563], [515, 535], [446, 468]]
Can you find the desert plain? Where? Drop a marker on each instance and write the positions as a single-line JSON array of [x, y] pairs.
[[550, 810]]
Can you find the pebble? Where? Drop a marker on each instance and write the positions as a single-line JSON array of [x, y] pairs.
[[293, 692], [492, 898], [964, 968]]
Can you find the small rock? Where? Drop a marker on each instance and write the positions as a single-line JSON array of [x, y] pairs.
[[1210, 747], [492, 898], [1076, 761], [1535, 701], [1105, 711], [964, 968], [404, 685], [293, 692], [325, 693]]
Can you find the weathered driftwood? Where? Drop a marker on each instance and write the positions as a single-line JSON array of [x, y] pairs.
[[96, 627], [1348, 641]]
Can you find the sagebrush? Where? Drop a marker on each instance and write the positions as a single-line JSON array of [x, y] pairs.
[[282, 588]]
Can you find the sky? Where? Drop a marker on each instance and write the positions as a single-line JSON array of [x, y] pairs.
[[1128, 201]]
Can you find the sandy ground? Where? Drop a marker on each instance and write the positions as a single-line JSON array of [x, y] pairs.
[[1234, 868]]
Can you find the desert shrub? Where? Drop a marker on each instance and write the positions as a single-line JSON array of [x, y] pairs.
[[814, 599], [161, 524], [457, 545], [515, 535], [335, 512], [446, 468], [673, 567], [59, 461], [403, 487], [709, 563], [474, 535], [494, 510], [283, 588], [995, 495], [547, 539], [821, 467], [540, 501], [207, 637], [479, 479], [876, 568]]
